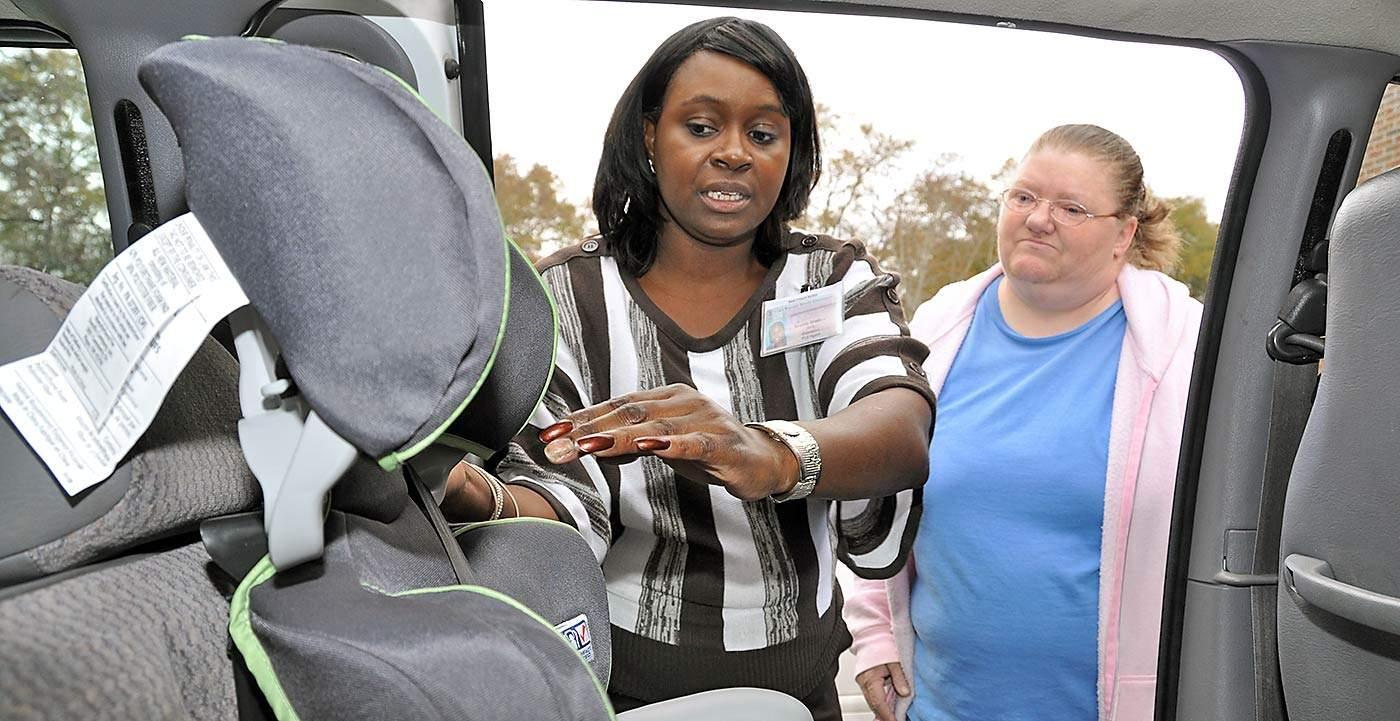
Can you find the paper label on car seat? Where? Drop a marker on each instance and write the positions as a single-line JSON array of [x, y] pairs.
[[575, 631], [85, 400]]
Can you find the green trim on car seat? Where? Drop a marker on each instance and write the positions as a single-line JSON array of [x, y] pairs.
[[509, 521], [497, 595], [240, 628], [410, 89], [392, 461], [554, 330], [255, 657]]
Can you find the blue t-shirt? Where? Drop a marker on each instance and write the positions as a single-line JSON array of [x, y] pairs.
[[1005, 601]]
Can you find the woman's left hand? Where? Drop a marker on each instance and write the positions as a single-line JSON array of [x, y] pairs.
[[690, 432]]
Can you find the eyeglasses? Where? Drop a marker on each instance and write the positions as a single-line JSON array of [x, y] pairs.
[[1065, 212]]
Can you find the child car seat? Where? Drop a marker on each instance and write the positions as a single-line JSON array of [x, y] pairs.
[[406, 330]]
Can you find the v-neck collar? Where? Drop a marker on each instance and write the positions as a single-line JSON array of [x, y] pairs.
[[720, 337]]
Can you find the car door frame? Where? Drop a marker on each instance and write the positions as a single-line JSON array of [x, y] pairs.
[[1219, 639]]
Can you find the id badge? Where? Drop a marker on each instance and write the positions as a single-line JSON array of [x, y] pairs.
[[801, 319]]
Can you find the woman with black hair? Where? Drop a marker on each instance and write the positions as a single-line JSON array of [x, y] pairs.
[[698, 460]]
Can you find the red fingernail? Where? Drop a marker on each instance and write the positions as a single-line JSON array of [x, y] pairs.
[[555, 431], [653, 444], [593, 444]]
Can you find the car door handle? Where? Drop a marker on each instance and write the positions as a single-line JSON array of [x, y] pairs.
[[1312, 579]]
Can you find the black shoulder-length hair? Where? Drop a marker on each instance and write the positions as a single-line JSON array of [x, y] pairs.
[[625, 195]]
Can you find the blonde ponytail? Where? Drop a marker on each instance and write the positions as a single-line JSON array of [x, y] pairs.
[[1157, 244]]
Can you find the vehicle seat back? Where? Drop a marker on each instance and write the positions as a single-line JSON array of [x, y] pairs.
[[1338, 586], [109, 607]]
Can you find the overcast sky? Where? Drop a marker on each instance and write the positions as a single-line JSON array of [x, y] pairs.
[[557, 67]]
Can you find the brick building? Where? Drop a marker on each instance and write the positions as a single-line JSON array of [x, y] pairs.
[[1383, 151]]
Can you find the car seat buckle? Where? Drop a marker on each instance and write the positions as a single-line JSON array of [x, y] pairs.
[[294, 455]]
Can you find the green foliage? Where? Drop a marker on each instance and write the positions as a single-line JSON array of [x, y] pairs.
[[53, 213], [849, 192], [940, 230], [535, 215], [1198, 243]]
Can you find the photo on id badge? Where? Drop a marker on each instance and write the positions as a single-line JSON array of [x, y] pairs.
[[799, 320]]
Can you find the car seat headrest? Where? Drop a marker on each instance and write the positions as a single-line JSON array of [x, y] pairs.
[[365, 235], [186, 467], [361, 228]]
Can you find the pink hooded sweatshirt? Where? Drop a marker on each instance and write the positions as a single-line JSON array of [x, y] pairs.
[[1149, 404]]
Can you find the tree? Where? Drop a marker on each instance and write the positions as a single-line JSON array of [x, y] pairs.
[[848, 197], [534, 214], [1198, 236], [939, 229], [53, 214]]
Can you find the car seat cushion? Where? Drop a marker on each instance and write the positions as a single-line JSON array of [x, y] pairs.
[[518, 380], [141, 639], [329, 640], [549, 567]]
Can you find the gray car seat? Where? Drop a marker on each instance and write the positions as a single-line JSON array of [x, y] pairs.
[[341, 122]]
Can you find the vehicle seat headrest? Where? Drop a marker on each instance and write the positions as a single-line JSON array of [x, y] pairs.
[[187, 466], [363, 230]]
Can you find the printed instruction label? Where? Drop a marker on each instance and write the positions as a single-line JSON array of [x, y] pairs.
[[801, 319], [84, 401]]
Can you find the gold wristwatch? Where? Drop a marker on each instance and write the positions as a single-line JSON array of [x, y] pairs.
[[802, 445]]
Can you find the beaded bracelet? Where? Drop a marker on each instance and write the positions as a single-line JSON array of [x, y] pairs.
[[506, 487], [497, 498]]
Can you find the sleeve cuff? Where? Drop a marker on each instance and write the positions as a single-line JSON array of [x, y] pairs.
[[559, 510]]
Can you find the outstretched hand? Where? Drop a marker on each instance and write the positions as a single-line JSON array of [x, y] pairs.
[[691, 433]]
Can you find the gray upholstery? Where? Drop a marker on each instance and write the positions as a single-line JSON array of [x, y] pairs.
[[1342, 501], [136, 637], [355, 636], [547, 566], [522, 369], [139, 640], [193, 439]]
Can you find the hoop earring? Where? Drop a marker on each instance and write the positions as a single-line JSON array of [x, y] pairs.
[[650, 165]]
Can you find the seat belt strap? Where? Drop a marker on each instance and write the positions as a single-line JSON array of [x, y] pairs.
[[424, 499], [1294, 388]]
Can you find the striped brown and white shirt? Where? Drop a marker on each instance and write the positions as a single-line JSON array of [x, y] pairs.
[[706, 590]]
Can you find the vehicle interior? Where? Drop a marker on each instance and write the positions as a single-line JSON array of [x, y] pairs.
[[1282, 600]]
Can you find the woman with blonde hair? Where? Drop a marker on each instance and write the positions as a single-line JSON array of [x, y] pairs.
[[1035, 587]]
